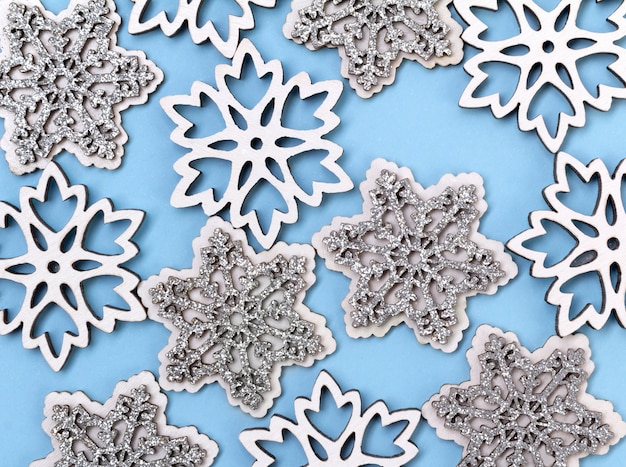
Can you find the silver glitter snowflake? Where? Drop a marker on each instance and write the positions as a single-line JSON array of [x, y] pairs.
[[130, 429], [521, 409], [237, 317], [64, 82], [374, 36], [414, 255]]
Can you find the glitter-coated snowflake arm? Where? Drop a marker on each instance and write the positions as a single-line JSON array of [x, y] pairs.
[[550, 45], [188, 13], [256, 151], [521, 408], [334, 449], [130, 427]]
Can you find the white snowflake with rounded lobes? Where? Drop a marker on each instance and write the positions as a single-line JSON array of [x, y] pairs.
[[64, 83], [521, 408], [256, 151], [345, 449], [189, 12], [546, 49], [600, 238], [57, 263]]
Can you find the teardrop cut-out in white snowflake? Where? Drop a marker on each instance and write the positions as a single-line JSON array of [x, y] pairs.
[[255, 148], [374, 36], [57, 263], [545, 49], [521, 408], [414, 255], [188, 12], [64, 83], [129, 429], [237, 317], [346, 449]]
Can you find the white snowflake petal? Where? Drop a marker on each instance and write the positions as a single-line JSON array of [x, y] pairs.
[[237, 317], [546, 50], [521, 408], [347, 448], [256, 152], [130, 428], [188, 12], [58, 264]]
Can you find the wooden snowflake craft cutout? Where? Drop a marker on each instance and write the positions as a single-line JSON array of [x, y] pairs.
[[599, 244], [346, 449], [374, 36], [64, 83], [414, 255], [257, 145], [57, 264], [547, 50], [129, 429], [188, 12], [521, 408], [237, 317]]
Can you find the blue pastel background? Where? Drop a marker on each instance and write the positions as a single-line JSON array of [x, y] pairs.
[[416, 122]]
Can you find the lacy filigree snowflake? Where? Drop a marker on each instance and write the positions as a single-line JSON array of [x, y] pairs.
[[600, 239], [347, 447], [546, 50], [374, 36], [257, 145], [237, 317], [414, 255], [57, 265], [521, 408], [129, 429], [189, 12], [64, 82]]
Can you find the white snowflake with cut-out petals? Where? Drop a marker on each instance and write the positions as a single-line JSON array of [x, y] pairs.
[[600, 244], [546, 50], [347, 448], [57, 263], [256, 152], [188, 12]]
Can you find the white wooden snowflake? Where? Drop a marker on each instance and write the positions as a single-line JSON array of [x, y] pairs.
[[414, 255], [64, 82], [258, 146], [57, 264], [374, 36], [345, 449], [129, 429], [189, 12], [546, 49], [237, 317], [521, 408]]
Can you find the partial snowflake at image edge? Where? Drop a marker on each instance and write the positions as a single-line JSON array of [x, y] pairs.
[[414, 255], [64, 83], [87, 433], [394, 30], [237, 317], [525, 408]]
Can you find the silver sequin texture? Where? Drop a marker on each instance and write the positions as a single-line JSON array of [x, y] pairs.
[[413, 256], [243, 322], [524, 412]]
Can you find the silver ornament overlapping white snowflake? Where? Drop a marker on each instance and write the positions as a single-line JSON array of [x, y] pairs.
[[237, 317], [546, 49], [57, 265], [521, 408], [189, 13], [129, 429], [374, 36], [64, 83], [414, 255], [345, 449]]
